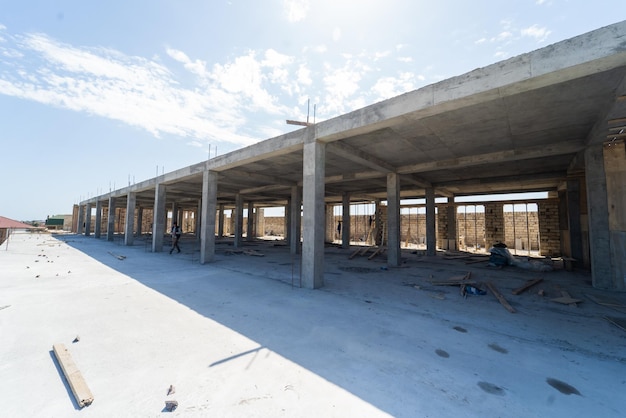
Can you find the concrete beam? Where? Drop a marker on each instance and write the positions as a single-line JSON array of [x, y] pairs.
[[360, 157], [566, 147]]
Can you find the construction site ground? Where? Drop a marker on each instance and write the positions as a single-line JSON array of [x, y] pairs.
[[240, 337]]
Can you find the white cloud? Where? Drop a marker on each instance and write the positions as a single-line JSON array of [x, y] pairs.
[[336, 34], [534, 31], [296, 10], [388, 87]]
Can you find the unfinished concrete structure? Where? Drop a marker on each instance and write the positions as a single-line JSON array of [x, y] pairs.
[[550, 120]]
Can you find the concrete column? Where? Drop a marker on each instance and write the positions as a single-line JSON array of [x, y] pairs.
[[615, 169], [197, 217], [250, 232], [259, 222], [81, 220], [452, 244], [111, 220], [345, 220], [175, 217], [393, 220], [98, 225], [599, 228], [295, 220], [314, 168], [431, 232], [573, 215], [209, 207], [159, 218], [379, 222], [287, 221], [129, 225], [238, 221], [88, 220], [139, 221], [220, 226], [328, 223]]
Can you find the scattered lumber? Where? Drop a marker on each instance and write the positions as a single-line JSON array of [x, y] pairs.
[[618, 322], [454, 280], [567, 295], [255, 253], [500, 298], [609, 303], [73, 376], [475, 260], [119, 257], [526, 286], [567, 300], [380, 250]]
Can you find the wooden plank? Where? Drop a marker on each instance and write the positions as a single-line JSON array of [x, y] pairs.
[[354, 254], [526, 286], [566, 300], [378, 251], [500, 298], [567, 295], [618, 322], [73, 376]]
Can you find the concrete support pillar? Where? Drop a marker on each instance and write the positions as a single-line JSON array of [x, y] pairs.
[[451, 208], [209, 207], [599, 228], [378, 230], [573, 216], [431, 232], [615, 169], [197, 217], [88, 220], [220, 226], [159, 218], [393, 220], [175, 217], [81, 220], [139, 221], [250, 232], [129, 225], [287, 221], [295, 219], [314, 168], [238, 214], [345, 221], [98, 225], [111, 219], [259, 222]]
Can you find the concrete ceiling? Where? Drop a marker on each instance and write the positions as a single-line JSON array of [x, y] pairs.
[[517, 125]]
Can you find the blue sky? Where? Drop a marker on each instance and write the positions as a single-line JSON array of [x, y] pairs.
[[94, 95]]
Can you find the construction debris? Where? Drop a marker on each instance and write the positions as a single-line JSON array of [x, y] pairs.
[[171, 405], [73, 376], [526, 286], [454, 281], [567, 300], [500, 298], [119, 257], [77, 339], [171, 390], [618, 322]]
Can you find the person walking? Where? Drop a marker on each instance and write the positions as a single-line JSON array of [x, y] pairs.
[[175, 237]]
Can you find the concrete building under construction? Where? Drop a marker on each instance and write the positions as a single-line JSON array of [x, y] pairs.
[[552, 120]]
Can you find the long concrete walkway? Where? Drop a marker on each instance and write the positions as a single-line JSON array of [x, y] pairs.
[[239, 337]]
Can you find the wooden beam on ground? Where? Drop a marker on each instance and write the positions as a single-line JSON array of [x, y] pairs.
[[567, 300], [526, 286], [500, 298], [378, 251], [73, 376]]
